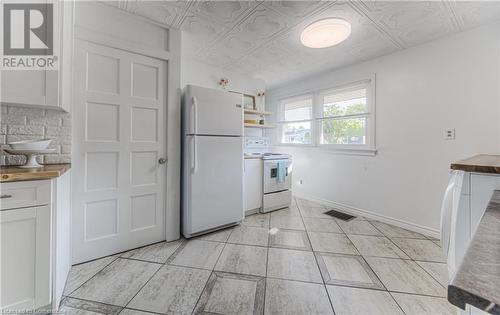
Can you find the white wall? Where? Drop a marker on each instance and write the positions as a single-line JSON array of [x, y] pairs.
[[420, 92], [197, 73]]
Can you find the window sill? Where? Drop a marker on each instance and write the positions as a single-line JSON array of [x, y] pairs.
[[333, 150], [362, 152]]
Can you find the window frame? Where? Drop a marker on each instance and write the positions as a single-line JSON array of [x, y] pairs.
[[317, 116], [281, 118]]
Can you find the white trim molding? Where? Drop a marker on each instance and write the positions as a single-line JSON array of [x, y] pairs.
[[374, 216]]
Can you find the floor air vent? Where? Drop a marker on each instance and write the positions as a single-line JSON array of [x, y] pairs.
[[340, 215]]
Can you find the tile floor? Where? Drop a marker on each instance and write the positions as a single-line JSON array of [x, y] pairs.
[[292, 261]]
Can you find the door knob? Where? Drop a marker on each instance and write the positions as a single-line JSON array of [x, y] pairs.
[[162, 161]]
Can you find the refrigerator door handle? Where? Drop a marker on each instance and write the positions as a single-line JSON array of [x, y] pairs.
[[195, 115], [194, 155]]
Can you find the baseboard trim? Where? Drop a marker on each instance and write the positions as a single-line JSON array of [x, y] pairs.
[[375, 216]]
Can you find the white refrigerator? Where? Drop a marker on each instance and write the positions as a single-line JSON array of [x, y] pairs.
[[212, 162]]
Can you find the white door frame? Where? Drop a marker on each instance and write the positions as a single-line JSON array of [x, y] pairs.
[[173, 115]]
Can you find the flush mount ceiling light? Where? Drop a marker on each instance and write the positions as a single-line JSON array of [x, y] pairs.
[[325, 33]]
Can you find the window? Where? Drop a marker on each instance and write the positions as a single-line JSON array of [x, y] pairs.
[[344, 115], [339, 118], [295, 125]]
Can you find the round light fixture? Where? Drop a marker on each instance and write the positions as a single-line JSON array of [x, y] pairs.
[[325, 33]]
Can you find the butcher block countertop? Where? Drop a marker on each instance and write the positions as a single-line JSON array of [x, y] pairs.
[[15, 174], [482, 163]]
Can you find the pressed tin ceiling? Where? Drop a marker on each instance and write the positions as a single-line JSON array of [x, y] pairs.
[[262, 38]]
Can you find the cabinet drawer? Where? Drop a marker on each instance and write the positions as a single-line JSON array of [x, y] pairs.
[[24, 194]]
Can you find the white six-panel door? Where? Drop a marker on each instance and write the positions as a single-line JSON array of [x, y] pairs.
[[119, 137]]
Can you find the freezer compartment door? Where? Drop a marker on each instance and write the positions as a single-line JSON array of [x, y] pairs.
[[213, 187], [212, 112]]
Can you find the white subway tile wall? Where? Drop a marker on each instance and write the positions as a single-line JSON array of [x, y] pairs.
[[24, 123]]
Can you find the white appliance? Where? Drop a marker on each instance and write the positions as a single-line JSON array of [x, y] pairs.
[[212, 163], [276, 194]]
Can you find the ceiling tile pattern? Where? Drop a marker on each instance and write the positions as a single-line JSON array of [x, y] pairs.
[[261, 38]]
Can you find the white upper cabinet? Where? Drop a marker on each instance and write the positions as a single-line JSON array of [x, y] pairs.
[[44, 87]]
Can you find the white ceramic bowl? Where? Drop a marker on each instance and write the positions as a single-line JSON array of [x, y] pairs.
[[41, 144]]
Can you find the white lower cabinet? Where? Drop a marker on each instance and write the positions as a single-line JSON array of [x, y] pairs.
[[253, 184], [35, 238], [25, 258]]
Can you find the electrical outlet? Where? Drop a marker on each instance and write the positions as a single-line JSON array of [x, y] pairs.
[[449, 134]]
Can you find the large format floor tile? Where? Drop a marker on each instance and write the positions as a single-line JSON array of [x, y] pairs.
[[405, 276], [394, 231], [355, 301], [286, 221], [258, 220], [303, 203], [249, 235], [217, 236], [419, 305], [322, 225], [79, 274], [158, 252], [127, 311], [73, 306], [314, 213], [197, 254], [292, 297], [292, 239], [292, 265], [227, 293], [438, 271], [376, 246], [358, 227], [419, 249], [243, 259], [225, 272], [347, 270], [118, 282], [172, 290], [332, 243]]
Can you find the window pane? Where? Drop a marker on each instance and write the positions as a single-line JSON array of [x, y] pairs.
[[345, 103], [343, 131], [297, 110], [299, 132]]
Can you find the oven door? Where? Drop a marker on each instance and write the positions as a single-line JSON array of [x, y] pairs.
[[271, 183]]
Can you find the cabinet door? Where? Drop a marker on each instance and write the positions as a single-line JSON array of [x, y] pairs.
[[25, 258], [253, 184], [42, 88], [27, 87]]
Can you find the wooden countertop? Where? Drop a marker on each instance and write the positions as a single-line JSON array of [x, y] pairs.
[[15, 174], [481, 163]]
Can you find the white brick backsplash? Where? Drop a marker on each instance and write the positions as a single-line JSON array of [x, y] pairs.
[[65, 149], [25, 130], [56, 131], [13, 119], [26, 111], [45, 121], [24, 123]]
